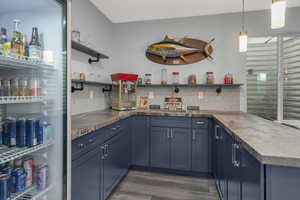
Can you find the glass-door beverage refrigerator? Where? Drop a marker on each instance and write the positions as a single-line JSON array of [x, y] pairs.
[[33, 99]]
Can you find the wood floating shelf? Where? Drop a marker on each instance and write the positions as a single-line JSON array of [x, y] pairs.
[[192, 85], [83, 82], [84, 49], [91, 82], [177, 86]]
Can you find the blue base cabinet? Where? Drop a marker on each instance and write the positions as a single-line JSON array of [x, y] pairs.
[[180, 150], [200, 150], [140, 127], [252, 177], [160, 147], [116, 156], [86, 176]]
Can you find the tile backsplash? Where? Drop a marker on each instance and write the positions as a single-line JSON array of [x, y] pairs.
[[92, 98], [205, 98]]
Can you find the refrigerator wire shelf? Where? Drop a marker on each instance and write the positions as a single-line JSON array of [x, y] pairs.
[[30, 193], [8, 154], [23, 63], [20, 99]]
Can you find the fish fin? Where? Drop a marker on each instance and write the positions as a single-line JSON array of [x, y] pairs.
[[183, 58], [183, 40], [211, 41], [168, 39]]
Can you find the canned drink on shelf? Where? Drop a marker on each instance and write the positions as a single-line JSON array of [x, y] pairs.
[[21, 132], [31, 139], [4, 187], [10, 129], [42, 176], [8, 171], [40, 132], [18, 180], [28, 167]]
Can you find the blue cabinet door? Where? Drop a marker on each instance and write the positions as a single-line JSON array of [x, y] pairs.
[[86, 176], [232, 167], [200, 150], [220, 170], [180, 148], [115, 162], [140, 140], [253, 178], [160, 147]]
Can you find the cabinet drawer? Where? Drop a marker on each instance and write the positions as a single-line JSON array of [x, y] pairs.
[[200, 123], [176, 122]]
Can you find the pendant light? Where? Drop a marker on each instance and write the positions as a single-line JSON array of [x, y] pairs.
[[243, 37], [278, 14]]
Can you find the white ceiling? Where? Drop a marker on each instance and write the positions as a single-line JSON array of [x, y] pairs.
[[119, 11]]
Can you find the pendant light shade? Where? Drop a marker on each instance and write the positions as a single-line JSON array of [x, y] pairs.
[[278, 14], [243, 37], [243, 41]]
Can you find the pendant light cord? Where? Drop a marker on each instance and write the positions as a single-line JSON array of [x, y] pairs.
[[243, 17]]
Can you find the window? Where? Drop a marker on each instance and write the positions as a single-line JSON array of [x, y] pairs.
[[273, 77]]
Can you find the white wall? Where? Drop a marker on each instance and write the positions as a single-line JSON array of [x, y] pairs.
[[126, 43], [96, 32], [132, 40]]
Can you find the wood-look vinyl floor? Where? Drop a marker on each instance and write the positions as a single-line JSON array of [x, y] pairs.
[[139, 185]]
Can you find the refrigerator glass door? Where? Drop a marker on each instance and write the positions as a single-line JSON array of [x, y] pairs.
[[33, 99]]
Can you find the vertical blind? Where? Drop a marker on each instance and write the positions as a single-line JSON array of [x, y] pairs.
[[291, 76], [261, 61]]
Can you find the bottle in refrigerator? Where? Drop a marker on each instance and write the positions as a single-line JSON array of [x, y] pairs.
[[34, 45], [26, 46], [17, 45], [35, 88], [24, 87], [3, 38], [1, 87], [6, 87], [14, 87]]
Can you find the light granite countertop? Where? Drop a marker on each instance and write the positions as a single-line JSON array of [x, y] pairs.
[[269, 142]]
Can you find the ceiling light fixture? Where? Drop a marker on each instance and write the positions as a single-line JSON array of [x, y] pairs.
[[278, 9], [243, 37]]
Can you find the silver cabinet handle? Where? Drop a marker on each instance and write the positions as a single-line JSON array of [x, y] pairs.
[[216, 132], [232, 154], [81, 146], [114, 128], [200, 123], [103, 152], [236, 163], [168, 133], [194, 135], [106, 150], [91, 140], [172, 133]]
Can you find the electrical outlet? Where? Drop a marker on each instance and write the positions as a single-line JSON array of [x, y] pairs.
[[151, 95], [91, 95], [200, 95]]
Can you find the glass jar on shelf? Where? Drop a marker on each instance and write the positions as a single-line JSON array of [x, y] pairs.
[[164, 78], [192, 79], [176, 79], [210, 78]]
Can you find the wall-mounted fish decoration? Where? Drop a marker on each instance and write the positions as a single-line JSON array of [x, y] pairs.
[[180, 52]]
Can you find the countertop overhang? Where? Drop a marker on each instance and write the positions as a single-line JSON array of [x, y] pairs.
[[269, 142]]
